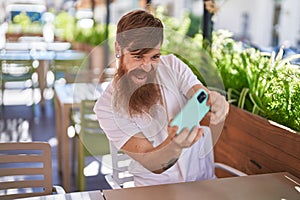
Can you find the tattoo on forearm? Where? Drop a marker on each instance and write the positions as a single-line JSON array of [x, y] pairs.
[[169, 164]]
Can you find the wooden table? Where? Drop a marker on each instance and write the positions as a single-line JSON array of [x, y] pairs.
[[90, 195], [280, 186], [275, 186], [68, 97]]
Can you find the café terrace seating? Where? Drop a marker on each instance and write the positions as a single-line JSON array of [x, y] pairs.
[[26, 170], [17, 75]]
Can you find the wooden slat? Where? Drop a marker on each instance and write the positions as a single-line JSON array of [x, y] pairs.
[[24, 146], [22, 195], [253, 145], [22, 184], [19, 158], [21, 171]]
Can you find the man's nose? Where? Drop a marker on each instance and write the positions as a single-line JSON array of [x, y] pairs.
[[146, 65]]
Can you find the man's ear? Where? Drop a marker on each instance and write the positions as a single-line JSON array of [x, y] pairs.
[[117, 48]]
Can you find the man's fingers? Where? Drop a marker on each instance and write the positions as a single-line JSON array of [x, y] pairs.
[[199, 135], [172, 130], [187, 138], [181, 137], [191, 137]]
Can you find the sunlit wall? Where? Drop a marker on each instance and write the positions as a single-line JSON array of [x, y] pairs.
[[253, 20]]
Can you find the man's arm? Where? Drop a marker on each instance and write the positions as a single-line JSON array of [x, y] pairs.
[[160, 158]]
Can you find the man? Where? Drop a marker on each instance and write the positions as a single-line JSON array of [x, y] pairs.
[[147, 92]]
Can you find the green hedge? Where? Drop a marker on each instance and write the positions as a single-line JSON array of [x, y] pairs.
[[264, 84]]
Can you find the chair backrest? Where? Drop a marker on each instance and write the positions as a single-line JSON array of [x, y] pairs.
[[91, 135], [90, 141], [16, 70], [73, 71], [120, 163], [25, 169]]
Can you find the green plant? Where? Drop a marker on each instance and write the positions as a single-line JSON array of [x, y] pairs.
[[64, 26], [22, 23], [189, 49], [264, 84], [267, 85], [195, 25], [282, 94], [23, 19], [93, 36]]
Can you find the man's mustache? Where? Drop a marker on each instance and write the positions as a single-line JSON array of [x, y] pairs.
[[138, 71]]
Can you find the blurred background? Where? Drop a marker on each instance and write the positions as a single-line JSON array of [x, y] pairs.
[[262, 23]]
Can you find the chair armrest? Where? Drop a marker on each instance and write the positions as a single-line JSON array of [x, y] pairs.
[[230, 169], [112, 183], [58, 190]]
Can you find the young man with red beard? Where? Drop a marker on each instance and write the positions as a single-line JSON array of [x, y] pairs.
[[147, 91]]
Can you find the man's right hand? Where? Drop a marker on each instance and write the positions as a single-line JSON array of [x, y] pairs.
[[185, 138]]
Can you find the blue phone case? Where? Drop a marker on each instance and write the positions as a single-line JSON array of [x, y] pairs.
[[193, 112]]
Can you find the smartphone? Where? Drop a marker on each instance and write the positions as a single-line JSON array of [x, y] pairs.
[[192, 112]]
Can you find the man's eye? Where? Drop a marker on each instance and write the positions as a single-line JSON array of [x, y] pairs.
[[156, 57], [138, 57]]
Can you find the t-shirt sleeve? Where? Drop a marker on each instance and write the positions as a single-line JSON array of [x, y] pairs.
[[118, 129]]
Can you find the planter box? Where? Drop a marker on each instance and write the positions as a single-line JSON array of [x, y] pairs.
[[14, 37], [256, 145]]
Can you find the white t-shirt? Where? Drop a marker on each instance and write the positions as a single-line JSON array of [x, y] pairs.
[[175, 79]]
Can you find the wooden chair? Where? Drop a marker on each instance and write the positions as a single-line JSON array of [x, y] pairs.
[[26, 170], [90, 140]]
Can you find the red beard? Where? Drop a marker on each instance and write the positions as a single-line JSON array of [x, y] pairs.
[[137, 99]]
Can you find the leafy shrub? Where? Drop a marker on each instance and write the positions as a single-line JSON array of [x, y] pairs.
[[267, 85], [264, 84], [22, 23], [65, 26]]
